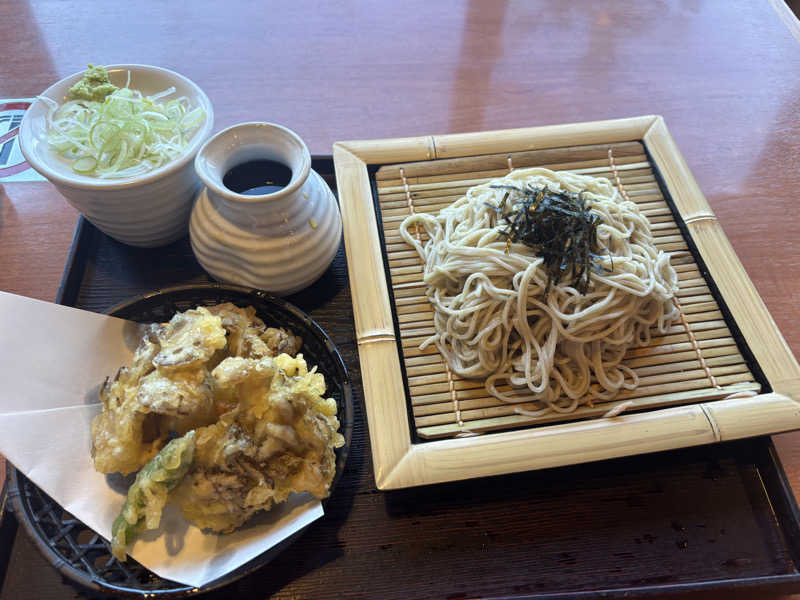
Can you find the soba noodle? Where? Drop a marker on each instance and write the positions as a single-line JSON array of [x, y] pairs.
[[493, 320]]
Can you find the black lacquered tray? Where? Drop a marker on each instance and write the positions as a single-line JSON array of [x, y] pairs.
[[693, 520]]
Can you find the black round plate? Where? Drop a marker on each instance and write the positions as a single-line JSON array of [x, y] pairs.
[[85, 557]]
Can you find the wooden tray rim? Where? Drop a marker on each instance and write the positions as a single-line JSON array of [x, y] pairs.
[[399, 463]]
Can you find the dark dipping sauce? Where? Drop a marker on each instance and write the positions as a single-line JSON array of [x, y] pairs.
[[257, 177]]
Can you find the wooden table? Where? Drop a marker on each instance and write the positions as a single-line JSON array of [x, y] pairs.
[[723, 74]]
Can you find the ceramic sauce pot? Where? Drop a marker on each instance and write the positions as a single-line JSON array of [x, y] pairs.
[[280, 242]]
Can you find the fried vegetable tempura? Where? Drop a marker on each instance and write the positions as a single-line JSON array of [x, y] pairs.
[[189, 340], [249, 337], [148, 494], [279, 439], [255, 424], [166, 389]]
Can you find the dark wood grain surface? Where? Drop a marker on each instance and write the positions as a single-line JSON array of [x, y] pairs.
[[725, 75]]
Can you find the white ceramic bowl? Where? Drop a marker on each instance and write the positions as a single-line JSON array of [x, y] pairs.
[[146, 210]]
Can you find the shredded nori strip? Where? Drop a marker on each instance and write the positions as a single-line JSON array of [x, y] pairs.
[[558, 226]]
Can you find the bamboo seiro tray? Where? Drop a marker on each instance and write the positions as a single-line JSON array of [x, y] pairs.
[[723, 372]]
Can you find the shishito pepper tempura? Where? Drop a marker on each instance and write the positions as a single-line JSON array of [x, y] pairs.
[[251, 422]]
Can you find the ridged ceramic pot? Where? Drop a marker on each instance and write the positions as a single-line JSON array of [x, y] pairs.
[[279, 242]]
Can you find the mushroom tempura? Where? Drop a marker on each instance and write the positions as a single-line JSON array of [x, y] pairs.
[[248, 421]]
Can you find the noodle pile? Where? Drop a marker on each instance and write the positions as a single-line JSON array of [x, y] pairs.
[[493, 319]]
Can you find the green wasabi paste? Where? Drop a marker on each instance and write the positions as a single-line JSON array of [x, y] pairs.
[[94, 85]]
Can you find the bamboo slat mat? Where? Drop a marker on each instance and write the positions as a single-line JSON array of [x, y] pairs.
[[696, 360]]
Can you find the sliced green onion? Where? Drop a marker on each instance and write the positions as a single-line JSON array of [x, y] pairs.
[[85, 164], [71, 152], [125, 135], [102, 131], [166, 92]]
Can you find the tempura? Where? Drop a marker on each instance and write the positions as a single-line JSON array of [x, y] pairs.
[[248, 421]]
